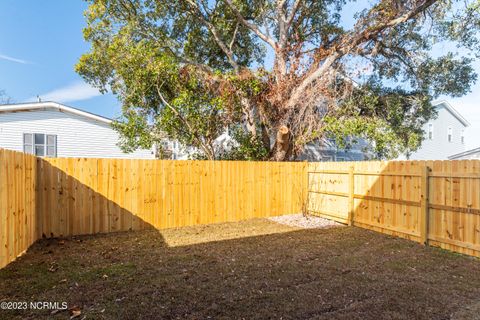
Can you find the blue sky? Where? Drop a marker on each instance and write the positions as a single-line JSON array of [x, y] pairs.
[[40, 42]]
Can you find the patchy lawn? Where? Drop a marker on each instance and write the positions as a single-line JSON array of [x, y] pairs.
[[256, 269]]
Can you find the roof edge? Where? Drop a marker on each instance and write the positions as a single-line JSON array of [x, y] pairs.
[[452, 110], [464, 153], [53, 105]]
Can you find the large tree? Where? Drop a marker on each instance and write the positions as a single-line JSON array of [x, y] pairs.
[[287, 72]]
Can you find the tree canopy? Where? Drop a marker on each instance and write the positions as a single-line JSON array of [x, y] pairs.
[[284, 72]]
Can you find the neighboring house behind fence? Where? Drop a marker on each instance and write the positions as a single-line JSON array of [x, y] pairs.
[[327, 150], [444, 136], [50, 129]]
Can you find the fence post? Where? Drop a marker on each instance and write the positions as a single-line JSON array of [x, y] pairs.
[[424, 216], [351, 191]]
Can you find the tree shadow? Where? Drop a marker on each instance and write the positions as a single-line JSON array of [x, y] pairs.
[[294, 274]]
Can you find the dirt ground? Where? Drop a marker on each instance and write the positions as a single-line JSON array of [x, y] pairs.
[[256, 269]]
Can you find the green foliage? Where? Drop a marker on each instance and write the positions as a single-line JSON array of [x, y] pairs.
[[161, 99], [187, 69], [391, 118], [244, 146], [134, 131], [432, 75]]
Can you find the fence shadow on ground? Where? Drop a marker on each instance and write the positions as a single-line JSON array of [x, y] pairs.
[[338, 272], [72, 196]]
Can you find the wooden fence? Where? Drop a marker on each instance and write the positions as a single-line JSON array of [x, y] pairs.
[[18, 219], [86, 196], [434, 202]]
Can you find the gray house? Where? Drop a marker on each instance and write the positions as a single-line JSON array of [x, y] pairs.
[[327, 150], [444, 135]]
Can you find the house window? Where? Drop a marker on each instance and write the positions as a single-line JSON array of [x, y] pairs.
[[463, 137], [40, 144], [449, 135], [28, 143], [430, 131]]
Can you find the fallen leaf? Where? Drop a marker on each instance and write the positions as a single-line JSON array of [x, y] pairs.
[[53, 268], [75, 312]]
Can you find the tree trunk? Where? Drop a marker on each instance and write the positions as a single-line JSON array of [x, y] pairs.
[[265, 137], [249, 114], [283, 144]]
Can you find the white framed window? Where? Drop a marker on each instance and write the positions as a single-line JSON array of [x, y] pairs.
[[40, 144], [463, 137], [430, 131], [28, 143], [449, 134]]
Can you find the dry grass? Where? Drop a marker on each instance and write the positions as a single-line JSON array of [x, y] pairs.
[[250, 270]]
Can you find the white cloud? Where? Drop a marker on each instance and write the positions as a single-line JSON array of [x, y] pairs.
[[74, 92], [12, 59]]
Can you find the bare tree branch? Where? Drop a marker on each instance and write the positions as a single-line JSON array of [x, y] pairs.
[[353, 40], [250, 25], [290, 18], [191, 130], [234, 36], [215, 33]]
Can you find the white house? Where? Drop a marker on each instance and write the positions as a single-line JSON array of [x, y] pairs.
[[50, 129], [444, 135]]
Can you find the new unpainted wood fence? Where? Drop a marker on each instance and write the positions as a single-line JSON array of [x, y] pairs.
[[18, 216], [86, 196], [69, 196], [431, 202], [434, 202]]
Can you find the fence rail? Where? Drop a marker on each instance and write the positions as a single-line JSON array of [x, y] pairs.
[[85, 196], [435, 202]]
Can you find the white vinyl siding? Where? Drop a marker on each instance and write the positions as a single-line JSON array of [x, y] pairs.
[[439, 148], [76, 136]]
